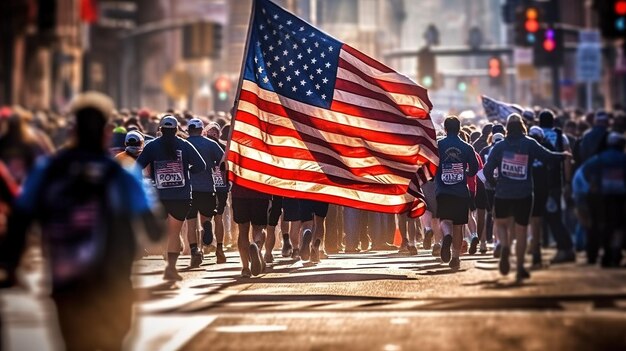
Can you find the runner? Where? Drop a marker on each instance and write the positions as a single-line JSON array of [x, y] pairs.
[[490, 193], [203, 198], [171, 159], [313, 217], [134, 145], [514, 158], [604, 177], [221, 192], [457, 162], [86, 205]]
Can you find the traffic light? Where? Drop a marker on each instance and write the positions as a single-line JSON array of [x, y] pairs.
[[527, 25], [496, 71], [222, 87], [202, 40], [548, 50], [427, 68], [612, 14]]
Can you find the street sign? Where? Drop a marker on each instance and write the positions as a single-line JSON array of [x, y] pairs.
[[589, 57]]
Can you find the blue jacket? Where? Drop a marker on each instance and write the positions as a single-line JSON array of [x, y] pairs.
[[171, 177], [457, 161], [513, 158], [212, 154], [605, 173]]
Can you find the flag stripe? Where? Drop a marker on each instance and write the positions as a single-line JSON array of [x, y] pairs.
[[367, 60], [383, 206], [283, 136], [307, 168], [313, 182], [402, 99], [367, 130]]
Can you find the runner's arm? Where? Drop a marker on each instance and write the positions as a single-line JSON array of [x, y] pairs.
[[196, 162]]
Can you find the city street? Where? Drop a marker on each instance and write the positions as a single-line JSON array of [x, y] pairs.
[[368, 301]]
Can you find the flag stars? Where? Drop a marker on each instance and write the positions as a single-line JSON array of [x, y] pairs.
[[311, 77], [323, 96], [325, 80], [283, 68], [302, 82], [260, 69], [274, 32], [313, 60], [317, 86], [299, 56], [287, 36], [327, 65], [309, 93], [322, 55], [289, 22], [317, 45], [269, 64], [276, 58], [280, 26], [274, 74], [256, 59], [295, 46], [275, 17], [330, 48], [291, 62], [309, 50], [301, 29], [285, 52], [305, 67], [297, 73], [319, 71], [271, 48], [294, 89], [265, 80], [303, 40], [280, 84], [280, 42], [288, 78], [266, 37], [261, 27]]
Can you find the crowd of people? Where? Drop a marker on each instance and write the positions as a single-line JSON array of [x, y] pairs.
[[522, 184]]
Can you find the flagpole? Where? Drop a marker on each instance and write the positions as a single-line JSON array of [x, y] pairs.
[[241, 72]]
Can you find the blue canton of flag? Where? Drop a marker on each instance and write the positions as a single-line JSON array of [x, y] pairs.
[[290, 57]]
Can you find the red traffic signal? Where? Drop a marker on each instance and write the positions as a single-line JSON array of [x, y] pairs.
[[223, 84], [495, 67], [531, 23], [620, 8]]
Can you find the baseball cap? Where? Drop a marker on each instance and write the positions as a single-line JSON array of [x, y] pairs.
[[536, 132], [497, 137], [169, 122], [601, 116], [133, 137], [195, 123], [498, 128]]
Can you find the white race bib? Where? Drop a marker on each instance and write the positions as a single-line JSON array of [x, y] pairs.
[[170, 174], [514, 166]]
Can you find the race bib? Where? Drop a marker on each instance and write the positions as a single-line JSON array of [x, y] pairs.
[[218, 178], [452, 173], [514, 166], [613, 181], [170, 174]]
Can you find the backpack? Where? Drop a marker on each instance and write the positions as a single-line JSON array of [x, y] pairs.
[[75, 206]]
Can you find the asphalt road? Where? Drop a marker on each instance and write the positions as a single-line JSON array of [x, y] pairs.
[[367, 301]]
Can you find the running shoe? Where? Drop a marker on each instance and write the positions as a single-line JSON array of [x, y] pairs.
[[505, 265], [305, 246], [497, 250], [315, 251], [245, 273], [295, 255], [455, 263], [196, 259], [255, 260], [323, 254], [483, 247], [403, 249], [537, 264], [412, 250], [521, 275], [445, 248], [428, 239], [207, 236], [473, 245], [437, 250], [171, 274], [268, 257], [563, 256], [219, 254], [287, 249]]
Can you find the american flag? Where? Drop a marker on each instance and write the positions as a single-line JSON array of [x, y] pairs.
[[317, 119]]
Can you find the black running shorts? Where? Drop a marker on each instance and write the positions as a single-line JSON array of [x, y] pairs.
[[276, 209], [519, 209], [291, 209], [310, 208], [202, 202], [254, 211], [177, 208], [453, 208]]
